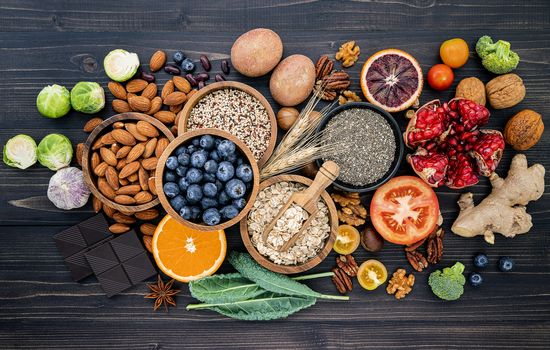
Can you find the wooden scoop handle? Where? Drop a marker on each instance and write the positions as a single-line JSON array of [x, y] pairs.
[[327, 174]]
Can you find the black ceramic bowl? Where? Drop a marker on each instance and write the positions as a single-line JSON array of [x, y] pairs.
[[399, 149]]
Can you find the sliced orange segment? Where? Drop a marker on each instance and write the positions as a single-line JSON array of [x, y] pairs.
[[186, 254], [347, 240], [372, 273]]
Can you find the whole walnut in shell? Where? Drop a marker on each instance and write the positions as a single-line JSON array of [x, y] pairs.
[[505, 91], [472, 89], [524, 130]]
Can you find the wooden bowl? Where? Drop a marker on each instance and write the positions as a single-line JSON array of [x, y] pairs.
[[91, 180], [309, 264], [183, 139], [192, 102]]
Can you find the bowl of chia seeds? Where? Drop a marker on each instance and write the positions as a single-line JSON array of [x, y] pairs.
[[371, 141]]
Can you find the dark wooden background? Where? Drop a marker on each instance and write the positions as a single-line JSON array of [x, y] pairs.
[[45, 42]]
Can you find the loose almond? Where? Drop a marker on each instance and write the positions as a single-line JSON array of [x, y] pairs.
[[143, 176], [136, 152], [129, 169], [98, 144], [149, 163], [148, 229], [117, 90], [143, 197], [167, 89], [119, 228], [175, 98], [156, 105], [181, 84], [123, 152], [92, 124], [147, 129], [108, 210], [123, 219], [96, 204], [148, 243], [108, 156], [101, 169], [162, 143], [124, 199], [78, 153], [121, 106], [176, 108], [121, 164], [105, 188], [139, 103], [151, 184], [123, 182], [136, 85], [115, 147], [133, 178], [165, 117], [118, 125], [130, 190], [147, 215], [132, 129], [158, 59], [111, 176], [123, 137], [150, 91], [150, 148], [94, 160], [107, 139]]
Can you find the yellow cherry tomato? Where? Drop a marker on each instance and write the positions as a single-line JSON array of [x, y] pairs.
[[372, 273], [347, 240], [454, 52]]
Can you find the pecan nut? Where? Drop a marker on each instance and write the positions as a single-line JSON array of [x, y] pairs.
[[417, 260], [324, 94], [347, 264], [337, 80], [323, 67], [434, 246], [342, 281]]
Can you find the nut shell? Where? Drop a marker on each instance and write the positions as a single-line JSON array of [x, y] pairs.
[[505, 91], [286, 117], [472, 89], [524, 130]]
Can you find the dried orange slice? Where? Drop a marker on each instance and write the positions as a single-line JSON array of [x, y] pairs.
[[347, 240], [372, 273], [186, 254]]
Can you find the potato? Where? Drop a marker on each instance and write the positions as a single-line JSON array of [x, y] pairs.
[[292, 81], [256, 52]]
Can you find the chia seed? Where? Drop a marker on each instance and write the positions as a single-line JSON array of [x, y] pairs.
[[368, 142]]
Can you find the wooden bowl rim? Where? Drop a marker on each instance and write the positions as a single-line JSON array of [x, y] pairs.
[[309, 264], [183, 115], [86, 154], [161, 165]]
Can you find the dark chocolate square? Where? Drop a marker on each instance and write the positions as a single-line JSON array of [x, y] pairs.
[[139, 268], [127, 246], [70, 241], [114, 281], [102, 258], [78, 266], [94, 229]]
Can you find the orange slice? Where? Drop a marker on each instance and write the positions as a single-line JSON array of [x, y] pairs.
[[186, 254]]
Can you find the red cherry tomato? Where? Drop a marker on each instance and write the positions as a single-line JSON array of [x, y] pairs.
[[440, 77]]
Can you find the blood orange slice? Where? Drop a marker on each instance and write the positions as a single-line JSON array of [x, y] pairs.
[[392, 79]]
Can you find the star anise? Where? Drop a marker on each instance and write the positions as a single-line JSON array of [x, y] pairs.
[[163, 293]]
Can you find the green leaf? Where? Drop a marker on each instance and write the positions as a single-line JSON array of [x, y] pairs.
[[224, 288], [269, 306]]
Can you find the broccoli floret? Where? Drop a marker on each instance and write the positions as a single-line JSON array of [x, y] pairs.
[[496, 57], [449, 284]]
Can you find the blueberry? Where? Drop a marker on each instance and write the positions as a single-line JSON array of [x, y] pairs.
[[209, 177], [178, 202], [217, 142], [187, 65], [211, 166], [208, 203], [180, 150], [239, 203], [185, 213], [215, 156], [231, 157], [178, 57], [183, 184], [172, 162], [226, 147], [506, 264], [195, 213], [211, 216], [244, 172], [194, 193], [207, 142], [171, 189], [225, 172], [199, 158], [194, 175], [235, 188], [475, 279], [191, 149], [223, 198], [209, 189], [219, 185], [196, 142], [184, 159], [240, 161], [181, 170], [170, 176], [481, 261], [229, 212]]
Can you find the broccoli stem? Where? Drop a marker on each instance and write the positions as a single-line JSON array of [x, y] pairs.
[[502, 49]]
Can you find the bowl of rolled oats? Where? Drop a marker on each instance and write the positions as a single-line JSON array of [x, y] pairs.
[[236, 108], [314, 244]]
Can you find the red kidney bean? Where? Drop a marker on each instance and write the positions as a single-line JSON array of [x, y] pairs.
[[202, 76], [225, 67], [201, 84], [172, 69], [205, 62], [191, 79], [219, 77], [148, 77]]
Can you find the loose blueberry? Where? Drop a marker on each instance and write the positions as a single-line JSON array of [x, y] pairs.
[[211, 216], [183, 184], [240, 161], [223, 198], [187, 65], [184, 159], [195, 213], [229, 212], [191, 149], [170, 176], [196, 142], [206, 177], [172, 162], [235, 188], [475, 279], [199, 158], [217, 142], [207, 142], [178, 202], [239, 203], [181, 170], [215, 156], [186, 213], [219, 185], [194, 175], [244, 172], [209, 189], [481, 261], [211, 166], [208, 203], [171, 189], [178, 57], [226, 147], [180, 150], [506, 264], [225, 172], [194, 193], [231, 157]]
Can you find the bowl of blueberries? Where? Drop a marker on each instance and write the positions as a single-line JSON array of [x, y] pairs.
[[209, 179]]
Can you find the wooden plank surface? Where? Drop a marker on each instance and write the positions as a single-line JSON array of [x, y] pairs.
[[65, 41]]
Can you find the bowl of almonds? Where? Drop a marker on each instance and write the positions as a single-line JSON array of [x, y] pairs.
[[119, 160]]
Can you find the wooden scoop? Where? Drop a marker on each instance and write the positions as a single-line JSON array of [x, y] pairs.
[[307, 199]]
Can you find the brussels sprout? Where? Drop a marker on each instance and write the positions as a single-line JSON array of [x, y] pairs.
[[67, 189], [55, 151], [120, 65], [53, 101], [87, 97], [20, 152]]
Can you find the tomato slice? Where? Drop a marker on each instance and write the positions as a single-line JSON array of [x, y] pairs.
[[404, 210]]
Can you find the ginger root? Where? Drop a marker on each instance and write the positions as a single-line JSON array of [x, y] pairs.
[[503, 211]]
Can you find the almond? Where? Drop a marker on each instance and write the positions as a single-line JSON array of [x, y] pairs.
[[136, 152], [181, 84], [147, 215], [143, 197], [191, 93], [156, 105], [123, 219], [167, 89], [98, 144], [174, 130], [130, 190], [121, 106], [123, 137], [149, 163], [162, 143], [129, 169], [101, 169], [115, 147], [123, 152], [139, 103], [176, 108], [157, 61], [118, 125], [150, 147], [130, 95], [148, 229], [119, 228], [108, 210], [148, 243], [150, 91], [92, 124], [123, 182], [132, 129], [107, 139], [94, 160], [121, 163], [117, 90], [136, 85], [105, 188], [124, 199], [133, 178], [143, 176], [165, 117], [147, 129], [111, 176], [96, 204], [108, 156], [78, 153], [175, 98], [151, 185]]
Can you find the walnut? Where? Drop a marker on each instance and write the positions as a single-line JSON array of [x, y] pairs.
[[347, 264], [342, 281], [351, 211], [348, 96], [505, 91], [348, 53], [346, 198], [524, 130], [400, 284], [472, 89]]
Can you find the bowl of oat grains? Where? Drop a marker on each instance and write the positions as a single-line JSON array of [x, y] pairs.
[[372, 146], [236, 108], [310, 248]]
